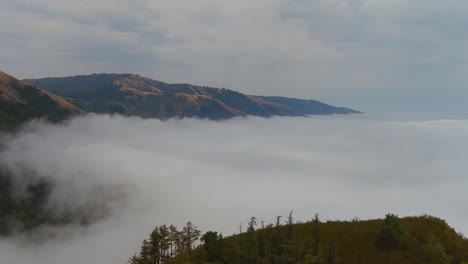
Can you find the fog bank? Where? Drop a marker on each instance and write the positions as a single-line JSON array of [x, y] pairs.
[[218, 174]]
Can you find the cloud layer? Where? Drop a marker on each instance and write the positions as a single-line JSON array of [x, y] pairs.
[[218, 174], [365, 54]]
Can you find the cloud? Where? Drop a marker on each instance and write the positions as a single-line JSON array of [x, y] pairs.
[[218, 174]]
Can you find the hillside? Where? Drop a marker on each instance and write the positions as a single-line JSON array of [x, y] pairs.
[[20, 102], [131, 94], [308, 107], [423, 239]]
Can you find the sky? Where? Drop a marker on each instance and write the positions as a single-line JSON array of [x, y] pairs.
[[219, 174], [398, 57]]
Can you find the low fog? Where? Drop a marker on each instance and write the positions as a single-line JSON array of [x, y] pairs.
[[218, 174]]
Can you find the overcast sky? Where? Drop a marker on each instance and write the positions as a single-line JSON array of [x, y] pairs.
[[387, 56], [219, 174]]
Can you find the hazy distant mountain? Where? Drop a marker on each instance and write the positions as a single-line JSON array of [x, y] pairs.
[[308, 107], [20, 102], [131, 94]]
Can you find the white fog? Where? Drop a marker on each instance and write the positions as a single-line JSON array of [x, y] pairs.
[[218, 174]]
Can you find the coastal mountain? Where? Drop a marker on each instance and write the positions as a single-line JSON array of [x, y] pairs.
[[20, 102], [131, 94]]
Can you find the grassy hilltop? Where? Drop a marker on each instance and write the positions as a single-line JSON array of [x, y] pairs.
[[422, 239]]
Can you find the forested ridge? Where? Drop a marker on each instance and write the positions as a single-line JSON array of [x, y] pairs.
[[422, 239]]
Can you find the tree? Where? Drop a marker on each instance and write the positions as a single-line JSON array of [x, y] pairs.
[[261, 242], [134, 260], [212, 244], [251, 243], [164, 244], [393, 232], [252, 225], [435, 253], [315, 247], [276, 250], [289, 223], [231, 251], [190, 234], [145, 253], [173, 234], [155, 248]]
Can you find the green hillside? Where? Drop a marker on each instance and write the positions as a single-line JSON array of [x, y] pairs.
[[422, 239]]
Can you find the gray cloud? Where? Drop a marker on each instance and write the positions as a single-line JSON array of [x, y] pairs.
[[218, 174], [350, 52]]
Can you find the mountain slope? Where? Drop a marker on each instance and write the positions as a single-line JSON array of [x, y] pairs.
[[20, 102], [416, 240], [131, 94]]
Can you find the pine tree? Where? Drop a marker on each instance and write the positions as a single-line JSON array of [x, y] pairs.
[[155, 250], [190, 235], [172, 240], [212, 244], [145, 256], [315, 248], [276, 242], [289, 223], [134, 260], [163, 244], [251, 243], [261, 241]]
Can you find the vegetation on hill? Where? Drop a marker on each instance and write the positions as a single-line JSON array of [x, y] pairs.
[[131, 94], [20, 102], [422, 239], [134, 95]]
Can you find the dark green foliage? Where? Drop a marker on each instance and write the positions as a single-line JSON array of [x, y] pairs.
[[435, 253], [250, 246], [393, 233], [213, 246], [315, 247]]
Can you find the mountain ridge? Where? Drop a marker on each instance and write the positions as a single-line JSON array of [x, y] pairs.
[[132, 94], [58, 98]]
